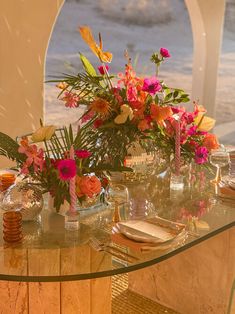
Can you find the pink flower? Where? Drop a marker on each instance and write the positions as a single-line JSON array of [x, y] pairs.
[[82, 154], [151, 85], [67, 169], [131, 93], [101, 69], [189, 117], [192, 130], [71, 99], [201, 155], [88, 185], [88, 116], [97, 123], [116, 93], [35, 156], [164, 53]]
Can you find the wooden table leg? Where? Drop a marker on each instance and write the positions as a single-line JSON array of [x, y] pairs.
[[196, 281]]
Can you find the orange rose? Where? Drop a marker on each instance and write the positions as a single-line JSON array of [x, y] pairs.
[[210, 141], [88, 185]]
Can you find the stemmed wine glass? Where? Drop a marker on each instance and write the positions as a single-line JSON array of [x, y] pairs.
[[219, 158], [118, 197]]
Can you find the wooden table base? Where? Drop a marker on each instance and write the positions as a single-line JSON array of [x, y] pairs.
[[196, 281], [68, 297]]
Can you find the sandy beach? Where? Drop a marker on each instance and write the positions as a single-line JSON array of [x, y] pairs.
[[123, 27]]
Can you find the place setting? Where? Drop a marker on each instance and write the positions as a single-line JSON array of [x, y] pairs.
[[150, 234], [224, 184]]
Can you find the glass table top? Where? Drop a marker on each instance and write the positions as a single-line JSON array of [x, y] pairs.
[[50, 253]]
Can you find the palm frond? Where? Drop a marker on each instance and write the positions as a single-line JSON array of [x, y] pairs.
[[9, 148]]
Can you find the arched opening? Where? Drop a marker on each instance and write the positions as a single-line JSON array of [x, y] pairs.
[[140, 28]]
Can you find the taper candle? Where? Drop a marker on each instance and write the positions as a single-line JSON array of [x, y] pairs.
[[72, 186], [177, 146]]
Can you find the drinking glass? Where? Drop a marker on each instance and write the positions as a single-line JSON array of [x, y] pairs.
[[118, 198], [219, 158]]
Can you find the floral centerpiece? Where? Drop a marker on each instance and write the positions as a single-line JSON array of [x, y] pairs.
[[120, 110], [52, 167], [124, 108]]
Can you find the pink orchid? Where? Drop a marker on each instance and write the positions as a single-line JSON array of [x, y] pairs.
[[71, 99], [164, 53], [201, 155], [67, 169], [82, 154], [34, 155], [151, 85]]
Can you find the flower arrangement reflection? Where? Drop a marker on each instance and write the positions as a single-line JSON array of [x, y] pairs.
[[123, 108]]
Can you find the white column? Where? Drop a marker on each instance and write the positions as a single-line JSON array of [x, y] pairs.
[[207, 18], [25, 28]]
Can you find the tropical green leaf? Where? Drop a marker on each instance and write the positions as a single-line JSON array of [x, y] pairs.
[[87, 65], [9, 148]]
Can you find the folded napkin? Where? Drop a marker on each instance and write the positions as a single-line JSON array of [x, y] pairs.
[[152, 234], [121, 240], [224, 190]]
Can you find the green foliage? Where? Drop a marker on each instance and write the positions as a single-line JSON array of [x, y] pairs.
[[174, 96], [9, 148], [109, 145], [90, 70]]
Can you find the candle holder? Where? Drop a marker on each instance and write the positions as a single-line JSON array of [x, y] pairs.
[[176, 181], [6, 180], [72, 220], [12, 227]]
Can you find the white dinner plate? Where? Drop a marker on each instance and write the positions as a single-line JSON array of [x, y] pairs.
[[155, 230]]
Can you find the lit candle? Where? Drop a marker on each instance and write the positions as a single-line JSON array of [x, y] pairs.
[[72, 186], [177, 146]]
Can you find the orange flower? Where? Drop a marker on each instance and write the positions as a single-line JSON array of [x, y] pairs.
[[101, 106], [95, 48], [159, 113], [62, 85], [144, 125], [87, 185], [210, 141]]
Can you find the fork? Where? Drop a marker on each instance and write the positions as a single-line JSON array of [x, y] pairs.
[[100, 246]]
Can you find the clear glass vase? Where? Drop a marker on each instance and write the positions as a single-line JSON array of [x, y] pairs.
[[25, 197], [145, 159]]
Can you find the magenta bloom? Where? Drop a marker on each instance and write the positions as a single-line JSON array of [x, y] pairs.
[[82, 154], [151, 85], [201, 155], [67, 169], [101, 69], [164, 53], [192, 130]]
